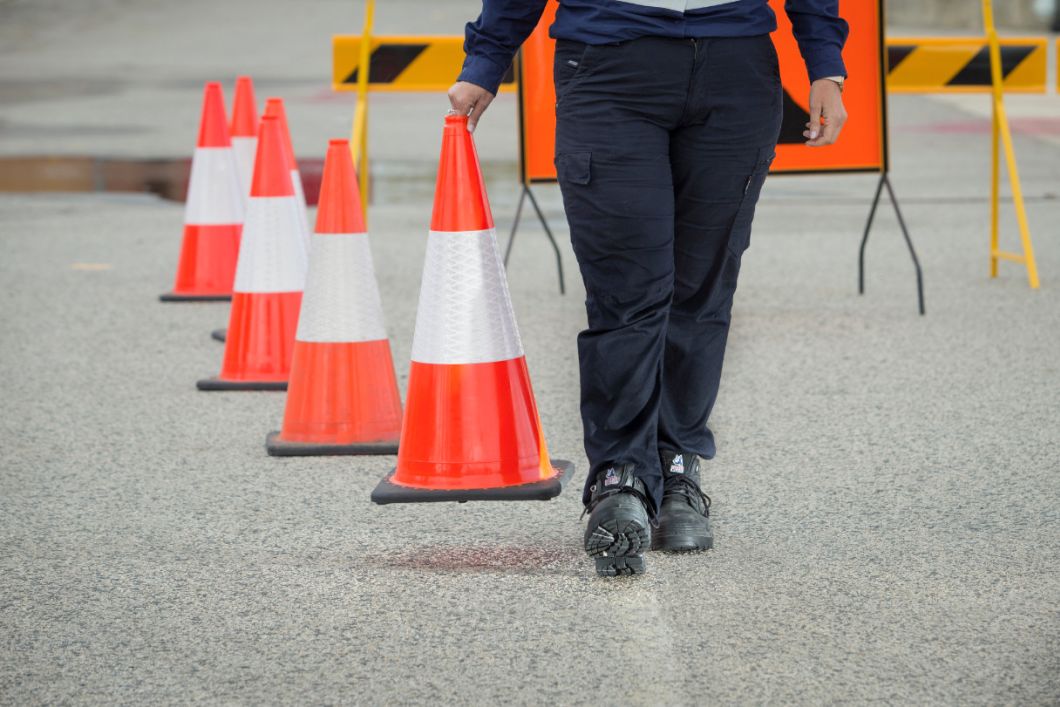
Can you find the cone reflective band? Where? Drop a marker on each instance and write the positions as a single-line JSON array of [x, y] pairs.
[[269, 277], [471, 429], [274, 106], [213, 212], [343, 395], [244, 130]]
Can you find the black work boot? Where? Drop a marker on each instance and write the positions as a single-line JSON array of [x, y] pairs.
[[684, 519], [619, 530]]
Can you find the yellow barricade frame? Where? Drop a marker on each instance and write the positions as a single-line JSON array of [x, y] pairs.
[[934, 62], [412, 63]]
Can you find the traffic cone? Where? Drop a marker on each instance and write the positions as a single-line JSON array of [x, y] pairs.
[[213, 211], [471, 429], [274, 106], [343, 395], [269, 278], [244, 130]]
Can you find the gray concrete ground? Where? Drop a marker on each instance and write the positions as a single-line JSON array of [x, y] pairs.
[[886, 493]]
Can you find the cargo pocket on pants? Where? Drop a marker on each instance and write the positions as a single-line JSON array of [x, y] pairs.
[[574, 168], [740, 234]]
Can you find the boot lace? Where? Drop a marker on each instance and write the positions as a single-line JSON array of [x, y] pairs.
[[686, 488]]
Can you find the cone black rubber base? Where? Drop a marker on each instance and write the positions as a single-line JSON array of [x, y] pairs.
[[211, 384], [389, 492], [282, 448], [174, 297], [219, 335]]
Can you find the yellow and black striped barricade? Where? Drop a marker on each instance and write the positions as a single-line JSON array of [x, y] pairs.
[[400, 63], [914, 64], [962, 65]]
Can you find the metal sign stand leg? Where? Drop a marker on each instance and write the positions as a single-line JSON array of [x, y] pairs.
[[886, 182], [548, 232]]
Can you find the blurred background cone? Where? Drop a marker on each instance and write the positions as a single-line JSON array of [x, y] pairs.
[[274, 106], [213, 212], [471, 429], [269, 278], [343, 395], [244, 130]]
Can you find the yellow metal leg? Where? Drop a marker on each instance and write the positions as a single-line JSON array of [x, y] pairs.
[[359, 133], [995, 192], [1021, 210], [1001, 126], [362, 165]]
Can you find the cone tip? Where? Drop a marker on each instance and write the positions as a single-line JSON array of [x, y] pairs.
[[271, 174], [339, 209], [213, 125], [455, 120], [460, 201]]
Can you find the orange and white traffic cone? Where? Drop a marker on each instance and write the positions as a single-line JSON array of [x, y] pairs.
[[471, 429], [343, 395], [213, 211], [244, 130], [269, 278], [274, 106]]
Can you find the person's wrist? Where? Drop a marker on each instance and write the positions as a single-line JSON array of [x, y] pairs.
[[838, 80]]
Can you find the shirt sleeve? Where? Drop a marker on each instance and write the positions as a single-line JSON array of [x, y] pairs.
[[821, 34], [491, 41]]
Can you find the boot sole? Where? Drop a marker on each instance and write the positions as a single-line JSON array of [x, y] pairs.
[[617, 543]]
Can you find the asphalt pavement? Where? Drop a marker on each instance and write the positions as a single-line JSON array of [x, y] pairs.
[[886, 494]]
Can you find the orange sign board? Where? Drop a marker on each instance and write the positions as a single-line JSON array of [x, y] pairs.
[[537, 101], [862, 147]]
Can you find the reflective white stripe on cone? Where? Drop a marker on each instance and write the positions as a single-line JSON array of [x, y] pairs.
[[299, 192], [214, 197], [465, 312], [269, 259], [244, 149], [340, 270]]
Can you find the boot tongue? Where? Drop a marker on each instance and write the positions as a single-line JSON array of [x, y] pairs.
[[674, 464], [617, 476]]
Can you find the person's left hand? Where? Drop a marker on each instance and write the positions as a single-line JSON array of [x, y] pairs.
[[827, 114]]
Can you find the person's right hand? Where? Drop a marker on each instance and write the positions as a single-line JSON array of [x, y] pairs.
[[470, 100]]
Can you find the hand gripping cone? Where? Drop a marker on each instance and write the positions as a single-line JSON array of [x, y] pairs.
[[471, 429], [213, 212], [269, 277], [244, 130], [343, 394], [274, 107]]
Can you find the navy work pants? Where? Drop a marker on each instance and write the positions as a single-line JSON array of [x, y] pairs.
[[662, 147]]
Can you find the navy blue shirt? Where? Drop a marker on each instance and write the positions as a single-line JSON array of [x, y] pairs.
[[492, 40]]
